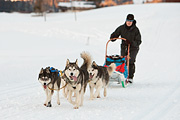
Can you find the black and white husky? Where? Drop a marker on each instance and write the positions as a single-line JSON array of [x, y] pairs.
[[77, 79], [99, 77], [50, 80]]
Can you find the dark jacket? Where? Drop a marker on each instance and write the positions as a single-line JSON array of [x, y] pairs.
[[130, 33]]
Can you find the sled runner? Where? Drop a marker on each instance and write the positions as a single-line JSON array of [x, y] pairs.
[[121, 73]]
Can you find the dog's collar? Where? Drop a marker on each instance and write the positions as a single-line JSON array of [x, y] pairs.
[[73, 85]]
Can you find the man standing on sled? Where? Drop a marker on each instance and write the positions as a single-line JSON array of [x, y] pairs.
[[131, 33]]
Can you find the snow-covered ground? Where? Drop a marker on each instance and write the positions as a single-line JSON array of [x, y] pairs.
[[28, 43]]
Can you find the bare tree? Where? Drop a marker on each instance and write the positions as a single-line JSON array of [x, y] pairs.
[[97, 2], [40, 6]]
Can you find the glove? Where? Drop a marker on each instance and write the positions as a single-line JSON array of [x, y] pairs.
[[112, 36]]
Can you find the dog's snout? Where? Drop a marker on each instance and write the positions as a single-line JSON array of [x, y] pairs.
[[71, 74], [44, 83]]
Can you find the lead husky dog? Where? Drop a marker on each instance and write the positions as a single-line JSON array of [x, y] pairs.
[[50, 80], [77, 79], [99, 77]]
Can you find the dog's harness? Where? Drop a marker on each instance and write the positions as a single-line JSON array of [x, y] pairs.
[[56, 70], [74, 85], [59, 71]]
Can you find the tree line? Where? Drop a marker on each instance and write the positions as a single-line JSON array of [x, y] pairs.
[[28, 6], [33, 5], [18, 6]]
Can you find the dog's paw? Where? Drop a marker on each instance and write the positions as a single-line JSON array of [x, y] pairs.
[[58, 102], [76, 107], [95, 95], [98, 96], [46, 103], [92, 98], [49, 104]]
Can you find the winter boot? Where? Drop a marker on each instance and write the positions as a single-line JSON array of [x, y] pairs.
[[130, 80]]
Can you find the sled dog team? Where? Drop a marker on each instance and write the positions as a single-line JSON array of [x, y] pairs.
[[74, 80]]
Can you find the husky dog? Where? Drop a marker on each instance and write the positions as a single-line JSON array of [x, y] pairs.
[[77, 79], [50, 80], [99, 77]]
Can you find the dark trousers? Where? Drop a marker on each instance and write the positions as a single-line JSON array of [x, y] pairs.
[[133, 54]]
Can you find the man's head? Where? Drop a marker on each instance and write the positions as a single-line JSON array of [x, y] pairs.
[[129, 20]]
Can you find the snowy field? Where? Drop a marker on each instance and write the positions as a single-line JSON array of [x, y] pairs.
[[28, 43]]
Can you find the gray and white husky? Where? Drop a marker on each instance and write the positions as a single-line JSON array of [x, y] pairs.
[[77, 79], [99, 77], [50, 80]]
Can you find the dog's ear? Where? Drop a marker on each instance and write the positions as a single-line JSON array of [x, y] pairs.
[[47, 70], [76, 62], [94, 65], [67, 62], [41, 71]]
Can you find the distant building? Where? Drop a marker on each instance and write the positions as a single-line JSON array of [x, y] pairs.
[[76, 5], [106, 3], [159, 1], [172, 0], [46, 5], [124, 2]]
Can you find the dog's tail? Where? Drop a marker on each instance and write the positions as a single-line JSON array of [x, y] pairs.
[[111, 68], [87, 60]]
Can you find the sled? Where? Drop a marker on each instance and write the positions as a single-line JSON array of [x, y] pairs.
[[121, 73]]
